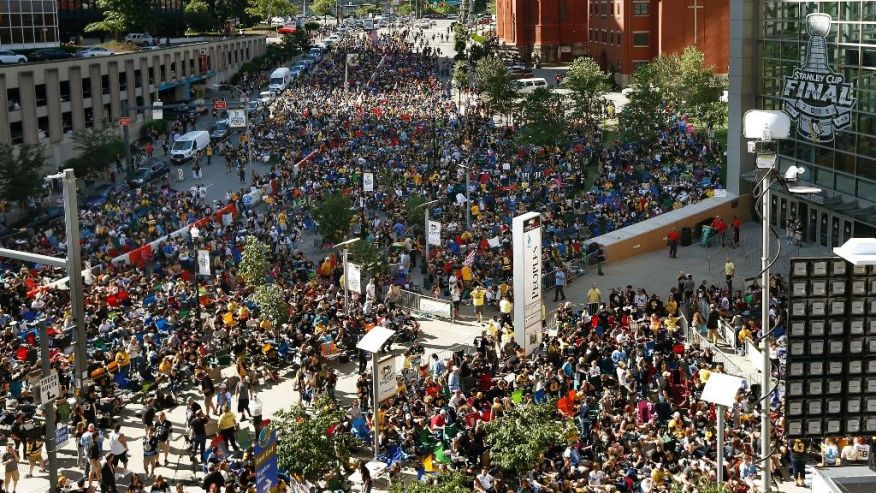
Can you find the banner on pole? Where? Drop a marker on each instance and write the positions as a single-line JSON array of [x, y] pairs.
[[354, 278], [204, 262], [237, 118], [386, 385], [368, 182], [434, 233], [265, 454], [526, 237]]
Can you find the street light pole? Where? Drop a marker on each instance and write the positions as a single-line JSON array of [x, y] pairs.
[[74, 273], [467, 168], [195, 233], [344, 257], [426, 283], [764, 328], [49, 410], [244, 98]]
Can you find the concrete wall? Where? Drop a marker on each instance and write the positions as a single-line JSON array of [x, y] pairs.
[[743, 83], [50, 113], [650, 235]]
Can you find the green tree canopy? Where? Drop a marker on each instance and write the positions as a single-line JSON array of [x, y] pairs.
[[588, 84], [98, 147], [544, 122], [323, 7], [405, 9], [306, 446], [123, 16], [20, 171], [272, 303], [414, 211], [366, 10], [333, 214], [369, 257], [495, 81], [453, 482], [265, 9], [254, 262], [460, 74], [518, 439], [198, 16]]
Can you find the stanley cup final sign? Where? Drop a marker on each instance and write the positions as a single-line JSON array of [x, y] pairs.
[[526, 239], [816, 97]]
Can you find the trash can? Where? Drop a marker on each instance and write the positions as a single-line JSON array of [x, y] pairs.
[[686, 237]]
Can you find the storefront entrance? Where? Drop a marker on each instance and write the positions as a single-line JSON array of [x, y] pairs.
[[820, 225]]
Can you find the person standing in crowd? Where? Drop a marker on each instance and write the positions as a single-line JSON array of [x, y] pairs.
[[228, 428], [243, 392], [594, 298], [150, 452], [729, 272], [506, 308], [712, 324], [163, 431], [478, 297], [10, 466], [108, 475], [798, 462], [736, 224], [559, 284], [673, 238], [366, 477], [118, 445]]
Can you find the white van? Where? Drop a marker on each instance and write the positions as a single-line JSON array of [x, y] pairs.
[[186, 147], [529, 85], [279, 79]]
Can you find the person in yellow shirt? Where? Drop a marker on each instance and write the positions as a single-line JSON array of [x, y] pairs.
[[123, 360], [744, 335], [227, 427], [467, 276], [478, 297]]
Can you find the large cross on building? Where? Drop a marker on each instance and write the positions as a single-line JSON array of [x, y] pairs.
[[696, 8]]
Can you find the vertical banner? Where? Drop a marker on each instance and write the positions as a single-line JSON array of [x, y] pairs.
[[204, 262], [434, 233], [237, 118], [265, 453], [354, 278], [526, 237], [368, 182], [386, 378]]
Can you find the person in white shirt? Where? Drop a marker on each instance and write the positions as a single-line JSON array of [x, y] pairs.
[[484, 482]]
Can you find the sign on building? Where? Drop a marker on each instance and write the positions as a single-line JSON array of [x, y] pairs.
[[526, 238], [818, 99]]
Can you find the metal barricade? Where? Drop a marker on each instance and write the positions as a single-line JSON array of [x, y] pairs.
[[574, 269], [423, 305]]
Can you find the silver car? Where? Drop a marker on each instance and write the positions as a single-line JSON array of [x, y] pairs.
[[94, 51]]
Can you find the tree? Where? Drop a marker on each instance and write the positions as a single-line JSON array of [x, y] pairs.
[[518, 439], [333, 215], [645, 115], [324, 8], [121, 16], [460, 74], [310, 443], [198, 16], [369, 257], [453, 482], [405, 9], [366, 10], [414, 211], [97, 146], [20, 171], [588, 84], [265, 9], [254, 262], [495, 81], [272, 303], [543, 118]]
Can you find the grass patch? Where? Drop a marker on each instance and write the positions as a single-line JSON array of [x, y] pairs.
[[477, 38]]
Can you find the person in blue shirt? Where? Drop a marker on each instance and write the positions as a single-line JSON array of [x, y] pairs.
[[559, 284]]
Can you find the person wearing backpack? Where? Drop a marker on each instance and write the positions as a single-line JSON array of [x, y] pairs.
[[92, 442]]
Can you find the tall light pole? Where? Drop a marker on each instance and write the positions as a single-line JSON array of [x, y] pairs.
[[467, 168], [766, 127], [195, 234], [426, 251], [345, 254], [244, 98]]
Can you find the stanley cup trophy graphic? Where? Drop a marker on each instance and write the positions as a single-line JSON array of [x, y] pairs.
[[815, 96]]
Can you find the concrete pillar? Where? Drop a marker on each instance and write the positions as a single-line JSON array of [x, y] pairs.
[[178, 65], [5, 134], [27, 93], [167, 72], [94, 76], [743, 76], [131, 82], [53, 106], [184, 68], [115, 91], [77, 105], [145, 88]]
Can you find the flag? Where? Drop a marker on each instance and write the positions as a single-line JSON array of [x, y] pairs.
[[469, 259], [352, 59]]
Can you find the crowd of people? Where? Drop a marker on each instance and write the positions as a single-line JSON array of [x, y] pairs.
[[623, 369]]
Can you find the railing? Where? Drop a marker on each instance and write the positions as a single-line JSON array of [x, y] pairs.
[[423, 305], [574, 269]]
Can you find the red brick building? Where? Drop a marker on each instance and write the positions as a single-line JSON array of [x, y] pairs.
[[625, 33], [552, 30]]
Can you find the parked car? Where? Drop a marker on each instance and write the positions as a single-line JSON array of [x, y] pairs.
[[277, 21], [140, 39], [254, 106], [287, 29], [266, 97], [148, 171], [94, 51], [49, 54], [220, 130], [189, 109], [9, 56], [101, 195]]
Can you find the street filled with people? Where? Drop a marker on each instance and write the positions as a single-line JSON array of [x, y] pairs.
[[621, 367]]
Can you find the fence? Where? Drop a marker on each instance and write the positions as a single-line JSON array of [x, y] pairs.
[[693, 336], [574, 269], [424, 305]]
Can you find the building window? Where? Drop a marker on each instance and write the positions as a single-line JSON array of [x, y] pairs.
[[604, 8], [604, 40], [640, 8], [562, 15], [616, 8], [640, 39], [617, 36]]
